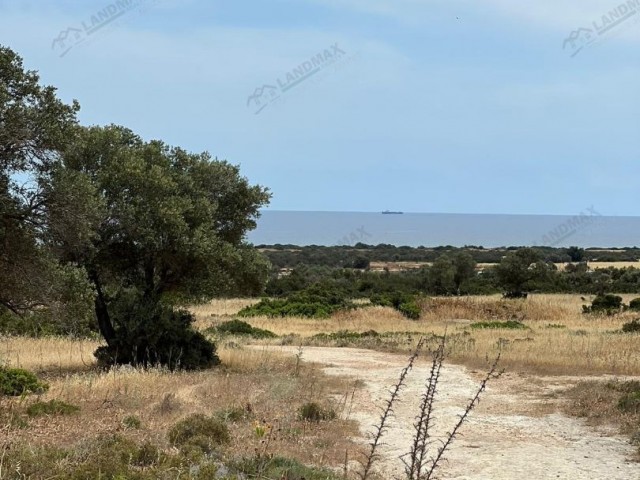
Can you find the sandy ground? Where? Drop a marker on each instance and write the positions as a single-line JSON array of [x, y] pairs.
[[517, 432]]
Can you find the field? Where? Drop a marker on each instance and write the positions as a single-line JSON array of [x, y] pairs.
[[261, 389], [558, 339]]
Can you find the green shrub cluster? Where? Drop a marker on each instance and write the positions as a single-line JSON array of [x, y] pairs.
[[402, 302], [605, 304], [310, 303], [280, 467], [509, 324], [314, 412], [150, 334], [345, 335], [634, 305], [631, 327], [52, 407], [199, 431], [16, 381], [238, 327]]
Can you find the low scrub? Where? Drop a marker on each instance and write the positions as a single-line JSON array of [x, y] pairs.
[[509, 324], [314, 412], [52, 407], [404, 303], [634, 305], [308, 303], [16, 381], [201, 431], [238, 327], [281, 467], [605, 304], [632, 327]]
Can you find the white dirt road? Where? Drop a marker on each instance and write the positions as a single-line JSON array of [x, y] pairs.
[[517, 432]]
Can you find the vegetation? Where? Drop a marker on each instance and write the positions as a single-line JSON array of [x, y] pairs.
[[238, 327], [509, 324], [314, 412], [606, 304], [631, 327], [111, 226], [16, 381], [52, 407], [200, 431]]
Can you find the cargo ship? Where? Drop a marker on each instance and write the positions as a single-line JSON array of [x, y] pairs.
[[389, 212]]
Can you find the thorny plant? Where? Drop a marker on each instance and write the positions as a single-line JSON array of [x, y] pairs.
[[425, 455]]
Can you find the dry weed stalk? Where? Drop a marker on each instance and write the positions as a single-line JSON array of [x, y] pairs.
[[387, 412], [419, 464]]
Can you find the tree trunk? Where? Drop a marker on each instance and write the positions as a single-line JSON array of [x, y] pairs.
[[102, 314]]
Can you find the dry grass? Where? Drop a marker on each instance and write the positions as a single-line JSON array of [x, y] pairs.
[[559, 339], [267, 386]]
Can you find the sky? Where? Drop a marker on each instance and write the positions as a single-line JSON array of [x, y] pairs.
[[452, 106]]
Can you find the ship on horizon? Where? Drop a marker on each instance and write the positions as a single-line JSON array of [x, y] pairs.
[[389, 212]]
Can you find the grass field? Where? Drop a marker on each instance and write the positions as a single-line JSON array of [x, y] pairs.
[[558, 339], [258, 389]]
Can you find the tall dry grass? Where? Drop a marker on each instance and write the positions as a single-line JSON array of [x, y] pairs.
[[559, 338]]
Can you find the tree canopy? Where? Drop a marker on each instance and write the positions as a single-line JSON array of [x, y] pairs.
[[138, 228]]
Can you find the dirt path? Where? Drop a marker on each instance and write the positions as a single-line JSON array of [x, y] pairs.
[[517, 431]]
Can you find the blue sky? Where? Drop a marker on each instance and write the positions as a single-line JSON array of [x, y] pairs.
[[453, 106]]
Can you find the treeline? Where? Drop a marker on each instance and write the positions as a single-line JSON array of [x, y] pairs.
[[518, 272], [289, 256]]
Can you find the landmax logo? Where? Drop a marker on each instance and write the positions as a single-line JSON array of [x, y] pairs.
[[585, 36], [75, 35], [265, 95], [563, 231], [354, 237]]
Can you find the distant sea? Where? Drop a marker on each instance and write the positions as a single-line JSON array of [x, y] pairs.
[[586, 229]]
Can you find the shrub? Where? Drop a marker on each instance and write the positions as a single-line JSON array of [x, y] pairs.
[[313, 412], [608, 304], [509, 324], [402, 302], [279, 467], [16, 381], [632, 326], [149, 334], [232, 414], [238, 327], [52, 407], [630, 402], [635, 305], [200, 430], [310, 303], [132, 422]]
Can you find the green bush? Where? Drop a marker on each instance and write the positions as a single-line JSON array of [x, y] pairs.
[[238, 327], [52, 407], [279, 467], [313, 302], [402, 302], [630, 402], [199, 430], [509, 324], [607, 304], [149, 334], [16, 381], [232, 413], [635, 305], [132, 422], [314, 412], [632, 326]]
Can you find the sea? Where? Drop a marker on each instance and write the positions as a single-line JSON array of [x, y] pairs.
[[585, 229]]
